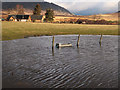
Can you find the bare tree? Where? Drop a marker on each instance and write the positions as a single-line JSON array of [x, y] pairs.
[[9, 11], [17, 7], [20, 9]]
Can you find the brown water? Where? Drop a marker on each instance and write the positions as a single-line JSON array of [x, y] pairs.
[[31, 62]]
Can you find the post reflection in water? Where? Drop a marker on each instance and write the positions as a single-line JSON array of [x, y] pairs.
[[52, 51], [78, 49], [100, 44]]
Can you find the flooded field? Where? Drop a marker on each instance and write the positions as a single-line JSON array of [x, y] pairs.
[[32, 63]]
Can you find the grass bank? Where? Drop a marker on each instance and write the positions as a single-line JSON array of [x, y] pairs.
[[17, 30]]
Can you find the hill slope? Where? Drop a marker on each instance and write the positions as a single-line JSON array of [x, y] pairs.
[[29, 7]]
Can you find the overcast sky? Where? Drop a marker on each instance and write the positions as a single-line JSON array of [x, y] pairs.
[[83, 7]]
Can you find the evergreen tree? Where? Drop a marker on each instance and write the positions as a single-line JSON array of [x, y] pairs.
[[37, 10], [49, 15]]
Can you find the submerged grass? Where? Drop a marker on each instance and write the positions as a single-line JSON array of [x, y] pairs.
[[17, 30]]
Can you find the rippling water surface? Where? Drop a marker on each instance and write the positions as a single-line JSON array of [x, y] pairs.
[[31, 62]]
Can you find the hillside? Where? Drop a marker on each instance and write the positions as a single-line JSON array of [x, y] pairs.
[[9, 8], [108, 17]]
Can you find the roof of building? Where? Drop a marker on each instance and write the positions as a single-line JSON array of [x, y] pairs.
[[9, 16], [33, 17], [18, 16], [22, 16], [36, 17]]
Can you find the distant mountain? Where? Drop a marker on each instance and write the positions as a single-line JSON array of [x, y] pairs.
[[29, 7], [92, 11]]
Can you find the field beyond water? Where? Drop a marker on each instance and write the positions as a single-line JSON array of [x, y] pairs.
[[17, 30]]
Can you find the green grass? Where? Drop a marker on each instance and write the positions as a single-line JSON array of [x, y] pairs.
[[17, 30]]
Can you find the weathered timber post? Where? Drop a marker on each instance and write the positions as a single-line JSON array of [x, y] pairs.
[[100, 39], [78, 40], [53, 42]]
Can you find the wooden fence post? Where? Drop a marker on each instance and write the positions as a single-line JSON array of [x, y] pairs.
[[53, 42], [78, 40]]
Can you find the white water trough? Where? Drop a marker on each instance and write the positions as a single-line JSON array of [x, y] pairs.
[[58, 45]]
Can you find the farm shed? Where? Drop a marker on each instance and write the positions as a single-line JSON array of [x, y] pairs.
[[37, 18]]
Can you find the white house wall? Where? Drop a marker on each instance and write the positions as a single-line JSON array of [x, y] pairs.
[[15, 19], [23, 20]]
